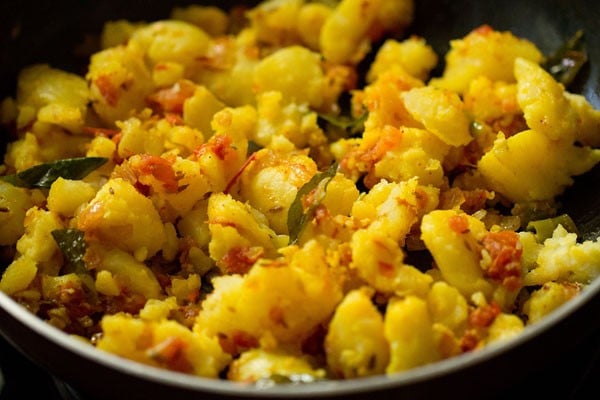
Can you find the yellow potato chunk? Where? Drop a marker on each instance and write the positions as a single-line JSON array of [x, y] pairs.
[[119, 82], [409, 330], [485, 52], [199, 110], [128, 273], [107, 284], [239, 234], [102, 147], [563, 259], [18, 276], [139, 137], [413, 55], [194, 224], [23, 153], [67, 196], [283, 299], [210, 19], [492, 102], [355, 345], [544, 104], [357, 19], [37, 243], [447, 306], [379, 262], [14, 203], [418, 153], [340, 195], [294, 122], [186, 289], [452, 240], [193, 184], [588, 132], [121, 216], [53, 96], [521, 175], [157, 310], [271, 182], [274, 21], [295, 72], [177, 184], [167, 73], [233, 79], [172, 41], [44, 143], [257, 364], [164, 343], [310, 21], [383, 100], [547, 299], [353, 18], [393, 208], [441, 112], [504, 327]]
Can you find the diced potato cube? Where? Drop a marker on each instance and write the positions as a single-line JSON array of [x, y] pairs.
[[485, 52], [123, 217], [257, 364], [452, 240], [522, 175], [66, 196], [409, 331], [355, 344], [295, 72], [14, 203], [441, 112], [18, 276]]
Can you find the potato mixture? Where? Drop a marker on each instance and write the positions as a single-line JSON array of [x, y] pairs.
[[242, 195]]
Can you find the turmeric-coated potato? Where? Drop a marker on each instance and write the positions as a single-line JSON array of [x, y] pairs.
[[487, 52], [121, 216], [355, 344]]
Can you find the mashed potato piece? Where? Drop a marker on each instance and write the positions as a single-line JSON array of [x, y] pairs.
[[283, 192]]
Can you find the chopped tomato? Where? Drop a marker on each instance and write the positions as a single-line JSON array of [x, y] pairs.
[[482, 317], [505, 250], [237, 342], [459, 224], [170, 352], [219, 145], [239, 260], [159, 168], [107, 89], [170, 100]]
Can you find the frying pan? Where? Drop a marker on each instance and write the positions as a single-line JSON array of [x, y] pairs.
[[38, 31]]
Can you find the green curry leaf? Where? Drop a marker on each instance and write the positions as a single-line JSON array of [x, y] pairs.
[[297, 216], [568, 59], [71, 243], [43, 175], [73, 246], [344, 125]]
